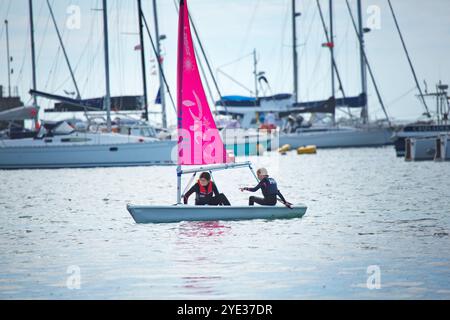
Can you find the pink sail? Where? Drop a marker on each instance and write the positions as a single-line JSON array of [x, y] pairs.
[[199, 141]]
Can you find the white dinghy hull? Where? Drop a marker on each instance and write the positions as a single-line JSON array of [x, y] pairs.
[[178, 213]]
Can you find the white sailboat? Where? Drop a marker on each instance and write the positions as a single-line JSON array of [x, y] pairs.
[[200, 145], [286, 107], [59, 146]]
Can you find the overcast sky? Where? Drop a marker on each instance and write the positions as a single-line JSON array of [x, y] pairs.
[[230, 30]]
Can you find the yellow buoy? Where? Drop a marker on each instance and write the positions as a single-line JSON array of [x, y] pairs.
[[307, 150], [284, 148]]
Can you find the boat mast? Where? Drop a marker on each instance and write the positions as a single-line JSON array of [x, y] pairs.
[[144, 74], [366, 61], [160, 61], [332, 47], [365, 114], [63, 49], [255, 72], [331, 44], [294, 50], [8, 58], [107, 100], [33, 56]]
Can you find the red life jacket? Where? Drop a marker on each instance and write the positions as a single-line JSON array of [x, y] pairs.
[[203, 190]]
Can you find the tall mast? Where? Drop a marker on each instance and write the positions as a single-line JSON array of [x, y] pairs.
[[365, 114], [160, 61], [8, 57], [33, 59], [144, 73], [332, 47], [107, 100], [294, 50], [331, 44], [255, 73]]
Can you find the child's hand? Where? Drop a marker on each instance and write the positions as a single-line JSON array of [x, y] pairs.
[[243, 189]]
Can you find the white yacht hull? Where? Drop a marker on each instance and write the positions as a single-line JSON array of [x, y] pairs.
[[338, 138], [38, 154], [177, 213]]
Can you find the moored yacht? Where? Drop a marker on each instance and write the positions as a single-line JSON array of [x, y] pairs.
[[58, 145]]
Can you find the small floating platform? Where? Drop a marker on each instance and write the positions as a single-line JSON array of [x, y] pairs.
[[178, 213]]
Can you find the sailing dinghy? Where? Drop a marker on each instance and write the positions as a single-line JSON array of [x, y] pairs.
[[200, 145]]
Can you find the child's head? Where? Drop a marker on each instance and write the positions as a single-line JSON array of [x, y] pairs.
[[205, 178], [262, 173]]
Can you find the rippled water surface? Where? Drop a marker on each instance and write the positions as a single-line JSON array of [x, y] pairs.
[[365, 208]]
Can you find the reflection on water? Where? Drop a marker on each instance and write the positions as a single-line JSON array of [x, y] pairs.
[[365, 208]]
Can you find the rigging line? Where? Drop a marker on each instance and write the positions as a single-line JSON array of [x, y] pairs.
[[211, 96], [248, 30], [6, 16], [235, 81], [25, 54], [86, 46], [338, 76], [234, 61], [159, 62], [72, 75], [380, 100], [207, 61], [303, 56], [397, 99], [280, 72], [93, 51], [408, 57]]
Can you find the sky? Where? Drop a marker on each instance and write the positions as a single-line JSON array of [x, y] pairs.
[[230, 30]]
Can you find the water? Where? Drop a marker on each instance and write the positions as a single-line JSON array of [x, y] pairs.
[[366, 209]]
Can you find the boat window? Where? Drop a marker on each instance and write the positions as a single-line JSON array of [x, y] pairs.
[[76, 139]]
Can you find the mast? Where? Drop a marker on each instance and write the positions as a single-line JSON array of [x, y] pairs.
[[180, 50], [33, 55], [332, 47], [107, 100], [331, 44], [255, 72], [160, 61], [63, 49], [144, 74], [8, 58], [366, 61], [294, 50], [365, 114]]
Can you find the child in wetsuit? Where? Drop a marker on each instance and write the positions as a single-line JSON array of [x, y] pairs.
[[269, 189], [206, 192]]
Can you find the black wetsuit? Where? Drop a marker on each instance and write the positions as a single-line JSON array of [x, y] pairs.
[[208, 195], [270, 192]]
